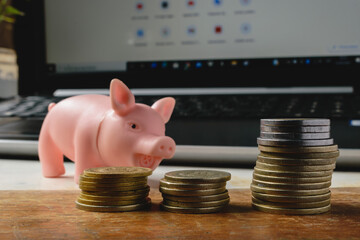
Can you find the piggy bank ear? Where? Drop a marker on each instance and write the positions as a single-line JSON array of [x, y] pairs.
[[164, 107], [122, 100]]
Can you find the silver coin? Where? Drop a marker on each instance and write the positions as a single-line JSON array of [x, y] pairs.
[[283, 142], [295, 168], [296, 121], [294, 180], [295, 161], [299, 129], [294, 135]]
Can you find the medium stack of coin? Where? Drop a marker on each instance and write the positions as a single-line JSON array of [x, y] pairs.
[[294, 168], [114, 189], [195, 191]]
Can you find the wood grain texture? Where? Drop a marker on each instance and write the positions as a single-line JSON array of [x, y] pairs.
[[52, 215]]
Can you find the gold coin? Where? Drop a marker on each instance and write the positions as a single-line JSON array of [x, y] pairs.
[[111, 203], [113, 185], [294, 161], [192, 210], [126, 208], [196, 204], [320, 155], [288, 186], [90, 187], [294, 180], [287, 192], [208, 198], [84, 178], [294, 135], [301, 211], [293, 173], [117, 172], [198, 176], [189, 186], [108, 193], [321, 149], [291, 199], [114, 198], [181, 192], [295, 143], [311, 168], [292, 205]]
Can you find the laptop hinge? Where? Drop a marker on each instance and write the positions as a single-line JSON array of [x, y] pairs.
[[211, 91]]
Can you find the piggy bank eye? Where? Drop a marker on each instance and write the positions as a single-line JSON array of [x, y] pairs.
[[133, 126]]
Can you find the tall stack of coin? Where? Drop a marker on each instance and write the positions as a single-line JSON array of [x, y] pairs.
[[294, 168], [195, 191], [114, 189]]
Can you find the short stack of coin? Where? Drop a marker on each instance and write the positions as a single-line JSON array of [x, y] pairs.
[[195, 191], [114, 189], [294, 168]]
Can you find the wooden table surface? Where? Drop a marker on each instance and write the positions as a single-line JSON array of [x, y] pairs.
[[52, 215]]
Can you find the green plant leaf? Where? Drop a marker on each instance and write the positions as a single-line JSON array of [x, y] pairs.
[[7, 19], [10, 10]]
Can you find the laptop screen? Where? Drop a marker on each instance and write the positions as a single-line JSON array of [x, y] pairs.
[[121, 36]]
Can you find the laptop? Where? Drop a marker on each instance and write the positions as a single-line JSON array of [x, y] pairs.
[[227, 63]]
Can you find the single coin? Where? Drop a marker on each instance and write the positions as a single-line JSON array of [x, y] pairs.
[[295, 174], [198, 176], [196, 204], [296, 122], [109, 193], [324, 155], [181, 192], [189, 186], [308, 168], [299, 129], [286, 192], [322, 149], [301, 211], [295, 161], [285, 142], [291, 199], [289, 186], [117, 172], [90, 187], [294, 135], [110, 203], [208, 198], [292, 205], [114, 198], [113, 185], [116, 180], [127, 208], [192, 210], [293, 180]]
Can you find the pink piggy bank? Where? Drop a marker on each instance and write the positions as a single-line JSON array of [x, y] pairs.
[[98, 131]]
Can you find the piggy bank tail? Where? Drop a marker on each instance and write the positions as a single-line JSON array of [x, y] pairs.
[[51, 105]]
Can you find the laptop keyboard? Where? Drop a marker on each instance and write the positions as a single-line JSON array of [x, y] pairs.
[[216, 106]]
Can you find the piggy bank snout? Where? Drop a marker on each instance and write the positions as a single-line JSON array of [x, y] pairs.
[[164, 147]]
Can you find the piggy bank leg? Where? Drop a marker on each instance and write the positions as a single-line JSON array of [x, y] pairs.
[[50, 156], [84, 157]]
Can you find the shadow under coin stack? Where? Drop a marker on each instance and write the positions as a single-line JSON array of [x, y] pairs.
[[114, 189], [294, 168], [194, 191]]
